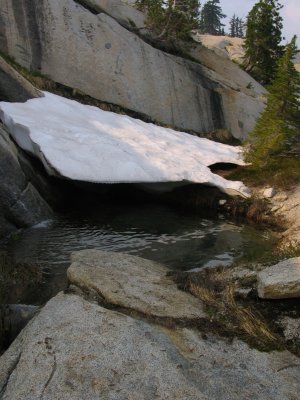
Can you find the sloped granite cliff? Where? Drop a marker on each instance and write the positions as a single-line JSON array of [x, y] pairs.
[[76, 46]]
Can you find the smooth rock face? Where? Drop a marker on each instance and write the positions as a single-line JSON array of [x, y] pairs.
[[76, 350], [133, 283], [21, 204], [110, 63], [225, 46], [281, 280], [243, 98], [13, 87], [121, 10], [229, 47]]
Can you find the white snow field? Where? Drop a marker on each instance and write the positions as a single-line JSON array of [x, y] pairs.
[[84, 143]]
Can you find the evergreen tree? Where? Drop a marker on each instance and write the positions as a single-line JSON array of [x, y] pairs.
[[262, 41], [236, 27], [240, 28], [232, 25], [277, 132], [171, 19], [210, 18]]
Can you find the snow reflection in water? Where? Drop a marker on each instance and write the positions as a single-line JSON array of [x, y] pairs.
[[180, 241]]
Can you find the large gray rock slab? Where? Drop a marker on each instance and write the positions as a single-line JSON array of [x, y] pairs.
[[133, 283], [13, 87], [76, 350], [243, 98], [280, 281], [121, 10], [21, 204], [110, 63]]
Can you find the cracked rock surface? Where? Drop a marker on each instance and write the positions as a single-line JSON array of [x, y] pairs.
[[134, 283], [77, 349]]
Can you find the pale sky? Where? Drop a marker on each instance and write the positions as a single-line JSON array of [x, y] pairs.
[[290, 13]]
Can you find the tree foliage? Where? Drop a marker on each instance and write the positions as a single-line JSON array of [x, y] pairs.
[[171, 19], [210, 18], [237, 27], [262, 40], [277, 132]]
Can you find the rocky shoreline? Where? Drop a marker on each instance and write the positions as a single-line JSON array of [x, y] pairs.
[[123, 330], [286, 205], [127, 328]]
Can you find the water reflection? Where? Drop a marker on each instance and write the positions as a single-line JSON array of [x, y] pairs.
[[181, 241]]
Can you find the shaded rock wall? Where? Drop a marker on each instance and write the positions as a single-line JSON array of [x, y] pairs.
[[95, 54], [13, 87], [21, 204], [23, 189]]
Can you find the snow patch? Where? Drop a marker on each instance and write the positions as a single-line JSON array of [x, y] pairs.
[[85, 143]]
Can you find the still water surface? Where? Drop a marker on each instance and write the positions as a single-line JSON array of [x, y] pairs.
[[181, 241]]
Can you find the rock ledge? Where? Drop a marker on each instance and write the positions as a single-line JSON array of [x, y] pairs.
[[280, 281], [133, 283]]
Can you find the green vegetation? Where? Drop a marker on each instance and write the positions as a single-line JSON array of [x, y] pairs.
[[273, 148], [175, 19], [262, 40], [211, 16], [170, 19], [237, 27], [230, 314]]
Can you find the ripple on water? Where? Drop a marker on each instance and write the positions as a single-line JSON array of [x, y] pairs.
[[181, 241]]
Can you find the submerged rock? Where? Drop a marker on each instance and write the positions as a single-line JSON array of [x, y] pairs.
[[280, 281], [13, 318], [75, 349]]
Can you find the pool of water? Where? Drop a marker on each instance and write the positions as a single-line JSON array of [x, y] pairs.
[[181, 241]]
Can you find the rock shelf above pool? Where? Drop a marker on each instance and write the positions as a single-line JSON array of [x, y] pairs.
[[84, 143], [78, 347], [132, 283]]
